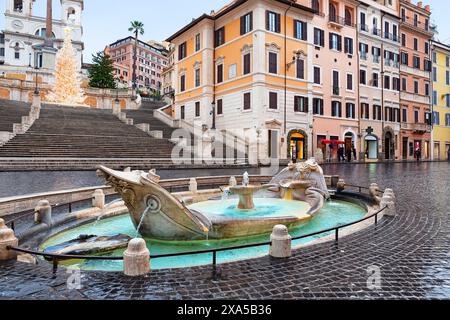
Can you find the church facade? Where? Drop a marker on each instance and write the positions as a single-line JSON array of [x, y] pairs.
[[29, 42]]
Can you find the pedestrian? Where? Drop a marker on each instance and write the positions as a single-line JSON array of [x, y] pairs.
[[354, 151], [419, 155], [448, 154], [331, 153], [349, 154]]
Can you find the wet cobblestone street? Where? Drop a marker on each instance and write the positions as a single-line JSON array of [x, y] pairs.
[[412, 251]]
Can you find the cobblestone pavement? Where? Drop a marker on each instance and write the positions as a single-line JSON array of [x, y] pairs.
[[412, 251]]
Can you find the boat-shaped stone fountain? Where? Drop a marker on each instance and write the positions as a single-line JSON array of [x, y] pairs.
[[292, 198]]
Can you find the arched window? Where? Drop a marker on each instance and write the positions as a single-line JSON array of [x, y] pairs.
[[315, 6], [333, 12], [42, 33], [18, 5], [348, 17]]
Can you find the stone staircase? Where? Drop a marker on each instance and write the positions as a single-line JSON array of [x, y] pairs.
[[15, 118], [66, 132]]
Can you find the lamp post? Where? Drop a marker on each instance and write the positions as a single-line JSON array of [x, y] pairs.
[[213, 111], [36, 89]]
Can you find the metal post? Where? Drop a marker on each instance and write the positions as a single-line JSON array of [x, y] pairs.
[[13, 226], [70, 207], [214, 265], [55, 265], [376, 219], [337, 235]]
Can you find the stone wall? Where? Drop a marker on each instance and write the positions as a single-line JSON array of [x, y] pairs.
[[12, 88]]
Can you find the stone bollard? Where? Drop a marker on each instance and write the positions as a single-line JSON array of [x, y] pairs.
[[340, 185], [7, 238], [136, 259], [233, 182], [193, 185], [43, 213], [98, 199], [388, 200], [281, 242]]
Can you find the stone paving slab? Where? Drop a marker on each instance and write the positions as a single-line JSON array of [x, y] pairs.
[[412, 251]]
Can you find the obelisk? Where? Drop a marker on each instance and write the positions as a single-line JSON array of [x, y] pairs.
[[48, 51]]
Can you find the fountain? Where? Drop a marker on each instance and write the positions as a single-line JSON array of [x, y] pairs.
[[157, 214]]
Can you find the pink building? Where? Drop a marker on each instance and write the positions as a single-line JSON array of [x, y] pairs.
[[150, 63], [335, 80]]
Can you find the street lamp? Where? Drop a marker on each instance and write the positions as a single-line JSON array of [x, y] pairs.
[[213, 112], [36, 89]]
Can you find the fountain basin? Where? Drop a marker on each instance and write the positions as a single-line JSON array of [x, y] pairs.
[[229, 221]]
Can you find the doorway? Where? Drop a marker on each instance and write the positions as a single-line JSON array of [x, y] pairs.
[[388, 146], [405, 149], [371, 147]]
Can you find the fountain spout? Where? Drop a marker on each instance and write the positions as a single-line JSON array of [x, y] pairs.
[[245, 180]]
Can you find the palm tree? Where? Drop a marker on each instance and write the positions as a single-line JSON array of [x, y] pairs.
[[137, 28]]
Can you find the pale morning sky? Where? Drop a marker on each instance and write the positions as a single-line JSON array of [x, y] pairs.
[[108, 20]]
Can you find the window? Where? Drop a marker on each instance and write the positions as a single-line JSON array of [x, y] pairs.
[[246, 69], [319, 37], [364, 110], [403, 40], [246, 23], [376, 112], [349, 81], [405, 115], [197, 77], [335, 42], [348, 17], [447, 120], [336, 82], [336, 109], [387, 82], [182, 51], [220, 37], [434, 74], [350, 111], [182, 113], [17, 55], [317, 79], [273, 100], [396, 84], [219, 106], [197, 109], [332, 12], [362, 77], [273, 57], [436, 118], [247, 101], [447, 61], [348, 45], [232, 71], [364, 27], [220, 73], [318, 106], [300, 69], [416, 44], [197, 42], [375, 80], [273, 22], [416, 87], [315, 6], [427, 47], [300, 104], [416, 62], [363, 50], [427, 89], [404, 59], [416, 116], [447, 78], [435, 98], [427, 65], [300, 30], [183, 83]]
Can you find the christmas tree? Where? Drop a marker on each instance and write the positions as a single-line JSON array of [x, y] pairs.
[[67, 88]]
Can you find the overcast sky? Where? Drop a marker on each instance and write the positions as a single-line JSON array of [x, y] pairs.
[[108, 20]]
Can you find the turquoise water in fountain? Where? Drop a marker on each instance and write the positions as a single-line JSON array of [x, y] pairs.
[[333, 214], [264, 208]]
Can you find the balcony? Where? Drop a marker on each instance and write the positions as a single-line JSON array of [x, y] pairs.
[[339, 22], [420, 128], [363, 55], [376, 32], [415, 98], [376, 59], [417, 26], [364, 27]]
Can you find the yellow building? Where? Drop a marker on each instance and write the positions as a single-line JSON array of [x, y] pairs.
[[249, 66], [441, 101]]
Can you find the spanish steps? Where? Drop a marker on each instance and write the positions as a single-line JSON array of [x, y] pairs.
[[11, 112]]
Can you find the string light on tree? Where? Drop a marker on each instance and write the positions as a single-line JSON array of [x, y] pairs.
[[67, 88]]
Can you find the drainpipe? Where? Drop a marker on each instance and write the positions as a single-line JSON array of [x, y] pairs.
[[358, 98], [383, 142], [213, 103], [285, 66]]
